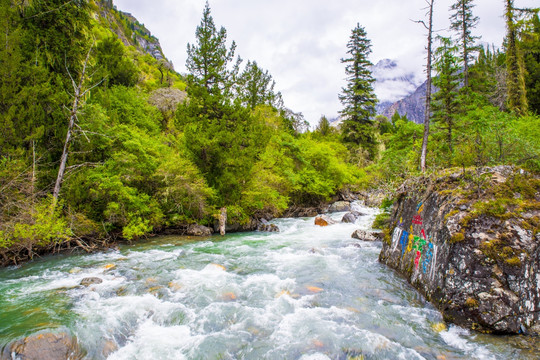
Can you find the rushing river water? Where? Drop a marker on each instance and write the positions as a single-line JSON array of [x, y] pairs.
[[307, 292]]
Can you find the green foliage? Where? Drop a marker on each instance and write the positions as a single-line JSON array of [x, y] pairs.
[[256, 87], [43, 225], [358, 97], [113, 65], [402, 145]]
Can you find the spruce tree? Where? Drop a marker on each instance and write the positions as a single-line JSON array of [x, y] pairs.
[[445, 103], [517, 98], [358, 96], [463, 21], [207, 61]]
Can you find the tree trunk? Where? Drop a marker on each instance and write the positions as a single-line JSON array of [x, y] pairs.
[[428, 90], [222, 221], [77, 96]]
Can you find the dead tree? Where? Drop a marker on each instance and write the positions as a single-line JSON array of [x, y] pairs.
[[79, 94], [427, 117]]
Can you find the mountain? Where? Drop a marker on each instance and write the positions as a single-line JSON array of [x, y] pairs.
[[413, 105], [392, 83]]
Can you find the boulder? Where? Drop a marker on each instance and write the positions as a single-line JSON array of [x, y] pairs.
[[463, 241], [268, 228], [91, 281], [351, 217], [198, 230], [340, 206], [324, 220], [44, 346], [366, 235]]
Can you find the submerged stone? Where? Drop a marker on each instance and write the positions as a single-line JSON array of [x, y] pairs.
[[91, 281]]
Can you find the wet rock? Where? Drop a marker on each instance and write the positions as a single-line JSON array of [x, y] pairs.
[[324, 220], [366, 235], [351, 217], [297, 212], [45, 346], [482, 268], [91, 281], [108, 348], [268, 228], [340, 206], [198, 230]]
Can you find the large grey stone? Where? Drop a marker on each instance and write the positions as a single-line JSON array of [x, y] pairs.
[[482, 270], [45, 346], [339, 206], [198, 230]]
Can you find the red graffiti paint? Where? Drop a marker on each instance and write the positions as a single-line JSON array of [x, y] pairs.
[[417, 220], [417, 259], [424, 234]]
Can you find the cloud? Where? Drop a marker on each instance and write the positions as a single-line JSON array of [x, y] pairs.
[[301, 42]]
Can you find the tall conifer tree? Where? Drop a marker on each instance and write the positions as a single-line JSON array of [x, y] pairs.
[[207, 61], [515, 84], [445, 102], [358, 97], [463, 21]]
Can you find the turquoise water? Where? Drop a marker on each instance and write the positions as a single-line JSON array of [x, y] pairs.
[[305, 293]]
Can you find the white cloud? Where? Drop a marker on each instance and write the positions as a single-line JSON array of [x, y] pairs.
[[301, 41]]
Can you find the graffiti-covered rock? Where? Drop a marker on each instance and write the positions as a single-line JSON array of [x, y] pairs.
[[469, 241]]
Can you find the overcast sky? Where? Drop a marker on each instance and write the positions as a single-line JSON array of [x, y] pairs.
[[301, 42]]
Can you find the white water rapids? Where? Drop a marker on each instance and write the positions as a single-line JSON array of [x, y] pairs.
[[307, 292]]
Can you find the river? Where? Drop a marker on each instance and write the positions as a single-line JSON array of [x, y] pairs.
[[307, 292]]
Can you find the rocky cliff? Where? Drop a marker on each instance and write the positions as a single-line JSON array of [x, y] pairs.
[[469, 242], [128, 29]]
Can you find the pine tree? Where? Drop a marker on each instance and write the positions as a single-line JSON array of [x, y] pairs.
[[517, 97], [463, 21], [207, 60], [358, 97], [446, 102], [530, 43]]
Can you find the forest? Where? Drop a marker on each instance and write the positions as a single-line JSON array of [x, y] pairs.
[[102, 142]]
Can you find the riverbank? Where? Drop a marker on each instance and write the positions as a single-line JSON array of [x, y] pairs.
[[95, 242]]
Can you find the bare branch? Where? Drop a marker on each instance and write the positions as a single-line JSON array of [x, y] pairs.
[[420, 22]]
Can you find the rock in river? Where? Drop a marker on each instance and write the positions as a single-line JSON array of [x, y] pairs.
[[366, 235], [198, 230], [91, 281], [45, 346], [324, 220], [351, 217], [339, 206]]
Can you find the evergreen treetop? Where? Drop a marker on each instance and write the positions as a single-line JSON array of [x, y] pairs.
[[207, 61], [358, 96]]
